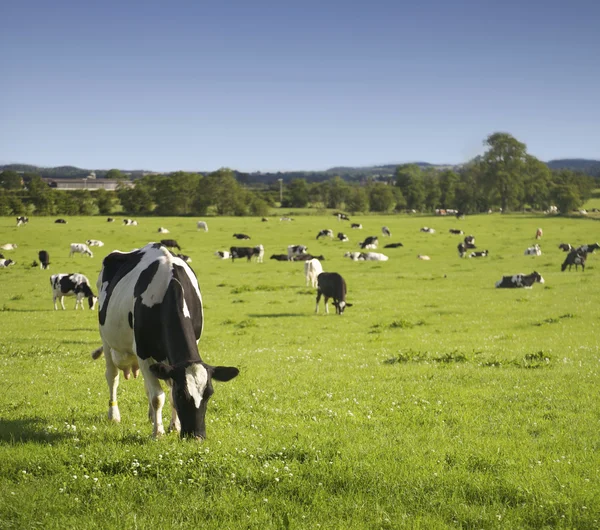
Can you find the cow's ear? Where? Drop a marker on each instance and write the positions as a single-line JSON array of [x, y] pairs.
[[224, 373], [349, 305], [162, 371]]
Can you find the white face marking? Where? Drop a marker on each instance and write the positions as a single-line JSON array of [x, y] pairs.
[[541, 280], [196, 379], [342, 305]]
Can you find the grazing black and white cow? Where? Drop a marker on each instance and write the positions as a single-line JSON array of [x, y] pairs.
[[241, 236], [151, 316], [171, 243], [393, 245], [589, 249], [386, 231], [519, 280], [312, 269], [183, 257], [565, 247], [332, 285], [462, 250], [130, 222], [80, 248], [223, 254], [73, 284], [370, 243], [296, 250], [202, 225], [342, 237], [244, 252], [44, 258], [22, 220], [575, 257], [456, 231], [325, 233], [356, 226], [94, 243], [280, 257], [61, 222], [481, 254], [163, 230], [427, 230], [110, 219], [341, 216], [6, 263], [470, 242]]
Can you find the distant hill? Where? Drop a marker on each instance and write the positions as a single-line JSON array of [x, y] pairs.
[[591, 167]]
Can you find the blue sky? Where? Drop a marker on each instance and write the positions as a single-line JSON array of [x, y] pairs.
[[264, 85]]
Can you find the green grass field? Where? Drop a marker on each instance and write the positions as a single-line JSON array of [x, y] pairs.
[[436, 401]]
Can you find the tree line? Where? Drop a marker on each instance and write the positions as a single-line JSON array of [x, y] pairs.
[[505, 177]]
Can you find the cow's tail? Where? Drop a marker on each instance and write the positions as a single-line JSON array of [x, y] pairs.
[[97, 353]]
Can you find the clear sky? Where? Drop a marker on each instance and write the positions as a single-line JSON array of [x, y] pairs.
[[261, 85]]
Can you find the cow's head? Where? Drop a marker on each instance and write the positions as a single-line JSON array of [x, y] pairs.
[[92, 300], [340, 306], [191, 390]]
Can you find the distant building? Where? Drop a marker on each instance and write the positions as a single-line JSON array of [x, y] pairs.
[[88, 183]]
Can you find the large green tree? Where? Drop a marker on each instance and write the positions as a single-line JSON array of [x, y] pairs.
[[11, 180], [297, 191]]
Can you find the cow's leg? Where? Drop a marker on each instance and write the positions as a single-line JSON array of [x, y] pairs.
[[175, 425], [112, 379], [62, 302], [156, 396], [54, 297], [326, 306], [318, 298]]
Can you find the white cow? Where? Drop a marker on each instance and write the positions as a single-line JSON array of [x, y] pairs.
[[163, 230], [535, 250], [223, 254], [423, 257], [9, 246], [94, 243], [80, 248], [312, 269], [201, 225], [374, 256], [354, 256], [130, 222]]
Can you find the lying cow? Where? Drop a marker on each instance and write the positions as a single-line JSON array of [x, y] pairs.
[[151, 316], [427, 230], [373, 256], [312, 269], [94, 243], [356, 226], [325, 233], [130, 222], [44, 258], [74, 284], [183, 257], [163, 230], [223, 254], [519, 280], [171, 243], [481, 254], [342, 237], [9, 246], [370, 243], [280, 257], [305, 257], [565, 247], [80, 248], [6, 263], [456, 231], [589, 249], [241, 236], [61, 222], [535, 250], [332, 285], [393, 245]]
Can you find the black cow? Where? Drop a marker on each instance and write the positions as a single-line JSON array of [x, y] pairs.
[[171, 243], [462, 250], [565, 247], [370, 242], [44, 258], [306, 257], [151, 316], [575, 257], [519, 280], [280, 257], [61, 222], [243, 252], [589, 249], [393, 245], [456, 231], [110, 220], [241, 236], [332, 285], [357, 226]]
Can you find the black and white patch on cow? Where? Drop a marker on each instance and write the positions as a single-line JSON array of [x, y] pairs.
[[22, 220], [171, 243], [223, 254], [130, 222], [589, 249], [342, 237], [151, 316], [370, 243], [480, 254], [73, 284], [332, 285], [525, 281], [565, 247], [325, 233], [163, 230], [4, 263], [94, 243], [427, 230], [110, 219], [535, 250], [356, 226], [386, 231], [470, 242], [44, 258], [296, 250]]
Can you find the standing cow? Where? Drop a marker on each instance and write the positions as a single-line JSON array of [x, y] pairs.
[[74, 284], [312, 269], [151, 316], [332, 285], [80, 248], [44, 258]]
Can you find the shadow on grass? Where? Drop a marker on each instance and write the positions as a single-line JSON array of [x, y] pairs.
[[279, 315], [26, 430]]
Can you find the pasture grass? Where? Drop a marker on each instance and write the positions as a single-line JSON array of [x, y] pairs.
[[436, 401]]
